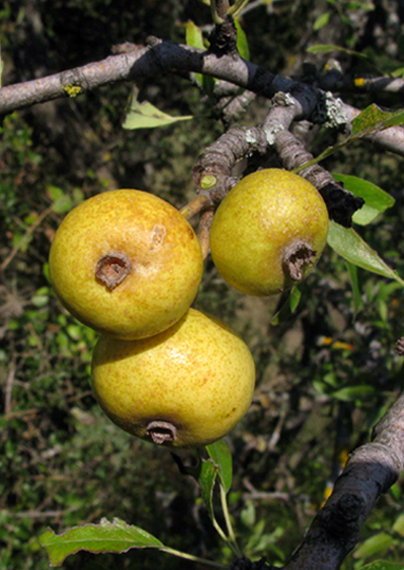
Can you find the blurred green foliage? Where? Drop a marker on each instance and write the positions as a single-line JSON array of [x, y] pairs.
[[326, 374]]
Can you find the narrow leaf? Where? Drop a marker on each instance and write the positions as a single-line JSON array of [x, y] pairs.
[[398, 525], [373, 545], [383, 565], [376, 199], [294, 299], [194, 38], [242, 42], [321, 21], [352, 393], [353, 274], [354, 249], [1, 68], [116, 536], [207, 478], [325, 48], [221, 455], [147, 116]]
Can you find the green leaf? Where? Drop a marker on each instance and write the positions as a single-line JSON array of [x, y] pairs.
[[383, 565], [398, 525], [147, 116], [325, 48], [194, 38], [54, 193], [353, 274], [248, 514], [117, 537], [376, 199], [220, 453], [352, 393], [193, 35], [64, 204], [354, 249], [294, 299], [287, 305], [242, 42], [373, 545], [321, 21], [206, 480], [1, 67], [372, 119]]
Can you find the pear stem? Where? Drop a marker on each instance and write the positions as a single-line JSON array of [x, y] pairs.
[[161, 431], [229, 526], [112, 269], [187, 556], [295, 257], [204, 231], [195, 206]]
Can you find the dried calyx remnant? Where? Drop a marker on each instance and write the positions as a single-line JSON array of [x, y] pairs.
[[161, 432], [112, 269], [295, 257]]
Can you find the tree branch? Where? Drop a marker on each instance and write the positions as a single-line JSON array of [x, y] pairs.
[[167, 57], [371, 470]]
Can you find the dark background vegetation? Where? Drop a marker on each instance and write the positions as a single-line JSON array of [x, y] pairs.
[[62, 463]]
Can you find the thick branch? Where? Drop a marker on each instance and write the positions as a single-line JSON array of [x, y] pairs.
[[167, 57], [371, 470]]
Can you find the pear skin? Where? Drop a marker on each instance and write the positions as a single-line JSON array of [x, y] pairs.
[[126, 263], [186, 387], [269, 232]]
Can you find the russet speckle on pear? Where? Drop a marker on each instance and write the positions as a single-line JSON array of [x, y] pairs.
[[185, 387], [269, 232], [126, 263]]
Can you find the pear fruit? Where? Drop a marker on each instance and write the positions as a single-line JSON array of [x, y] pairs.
[[185, 387], [126, 263], [269, 232]]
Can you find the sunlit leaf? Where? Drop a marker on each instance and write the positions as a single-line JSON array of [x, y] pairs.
[[376, 199], [354, 249], [352, 393], [194, 38], [373, 545], [221, 455], [242, 42], [373, 119], [147, 116], [116, 536], [321, 21]]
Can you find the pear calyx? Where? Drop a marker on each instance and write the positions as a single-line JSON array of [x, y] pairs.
[[112, 269], [295, 257], [161, 432]]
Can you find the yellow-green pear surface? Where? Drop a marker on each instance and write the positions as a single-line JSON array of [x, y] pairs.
[[126, 263], [269, 232], [185, 387]]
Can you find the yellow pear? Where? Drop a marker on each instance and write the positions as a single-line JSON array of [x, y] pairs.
[[269, 232], [126, 263], [185, 387]]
